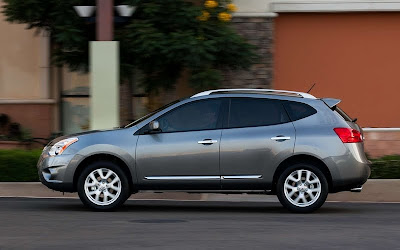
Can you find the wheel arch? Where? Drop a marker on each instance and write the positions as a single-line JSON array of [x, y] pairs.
[[103, 157], [304, 159]]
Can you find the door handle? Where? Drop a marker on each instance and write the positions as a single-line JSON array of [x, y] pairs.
[[207, 142], [280, 138]]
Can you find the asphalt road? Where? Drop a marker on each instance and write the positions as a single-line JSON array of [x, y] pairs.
[[66, 224]]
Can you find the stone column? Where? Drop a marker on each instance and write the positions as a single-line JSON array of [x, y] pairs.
[[104, 88], [259, 31]]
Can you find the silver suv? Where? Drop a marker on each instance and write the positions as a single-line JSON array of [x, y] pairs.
[[231, 140]]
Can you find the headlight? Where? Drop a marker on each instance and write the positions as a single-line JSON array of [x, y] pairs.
[[62, 145]]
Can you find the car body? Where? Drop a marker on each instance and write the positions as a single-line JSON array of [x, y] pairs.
[[240, 140]]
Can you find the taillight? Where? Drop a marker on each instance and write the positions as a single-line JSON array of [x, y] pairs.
[[348, 135]]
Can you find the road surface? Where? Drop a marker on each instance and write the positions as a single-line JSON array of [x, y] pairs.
[[66, 224]]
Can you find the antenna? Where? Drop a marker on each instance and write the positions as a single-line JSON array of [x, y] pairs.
[[311, 88]]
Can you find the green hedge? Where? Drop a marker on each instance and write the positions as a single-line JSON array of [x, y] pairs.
[[387, 167], [19, 165]]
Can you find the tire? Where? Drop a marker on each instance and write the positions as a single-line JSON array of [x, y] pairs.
[[103, 194], [302, 195]]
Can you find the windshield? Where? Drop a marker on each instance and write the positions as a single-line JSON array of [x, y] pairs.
[[151, 113]]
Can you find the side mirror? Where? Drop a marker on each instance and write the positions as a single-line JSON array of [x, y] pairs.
[[154, 126]]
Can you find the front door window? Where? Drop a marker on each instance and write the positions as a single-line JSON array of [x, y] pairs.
[[200, 115]]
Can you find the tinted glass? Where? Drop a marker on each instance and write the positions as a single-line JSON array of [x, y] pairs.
[[200, 115], [251, 112], [298, 110], [151, 113], [342, 114]]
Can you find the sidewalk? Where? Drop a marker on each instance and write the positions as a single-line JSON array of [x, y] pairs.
[[373, 191]]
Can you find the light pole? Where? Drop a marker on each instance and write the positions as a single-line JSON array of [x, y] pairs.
[[104, 63]]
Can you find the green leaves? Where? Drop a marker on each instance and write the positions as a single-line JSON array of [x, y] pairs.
[[19, 165], [386, 167], [205, 78], [163, 38]]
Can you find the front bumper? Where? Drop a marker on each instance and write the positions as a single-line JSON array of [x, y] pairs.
[[55, 173]]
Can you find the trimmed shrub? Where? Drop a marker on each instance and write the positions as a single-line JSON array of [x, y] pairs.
[[386, 167], [19, 165]]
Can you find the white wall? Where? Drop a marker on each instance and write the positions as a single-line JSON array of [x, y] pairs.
[[252, 6], [24, 62], [268, 6]]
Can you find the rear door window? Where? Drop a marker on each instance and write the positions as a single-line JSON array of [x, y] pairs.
[[253, 112], [298, 110]]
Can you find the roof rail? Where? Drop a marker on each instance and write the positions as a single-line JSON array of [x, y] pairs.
[[264, 91]]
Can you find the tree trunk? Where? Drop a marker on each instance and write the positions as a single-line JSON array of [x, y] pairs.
[[125, 106]]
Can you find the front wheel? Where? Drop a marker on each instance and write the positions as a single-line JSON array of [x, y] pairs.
[[302, 188], [103, 186]]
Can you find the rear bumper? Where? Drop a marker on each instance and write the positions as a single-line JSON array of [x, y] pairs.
[[353, 185], [349, 171]]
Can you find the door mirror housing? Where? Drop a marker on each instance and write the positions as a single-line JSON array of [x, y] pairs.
[[154, 126]]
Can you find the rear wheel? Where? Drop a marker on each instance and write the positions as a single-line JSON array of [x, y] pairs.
[[302, 188], [103, 186]]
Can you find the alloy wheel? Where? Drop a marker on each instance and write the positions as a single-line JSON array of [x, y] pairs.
[[103, 186], [302, 188]]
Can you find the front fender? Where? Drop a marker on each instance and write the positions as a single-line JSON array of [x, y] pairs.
[[102, 149]]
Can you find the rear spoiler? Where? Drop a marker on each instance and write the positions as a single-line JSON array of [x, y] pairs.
[[331, 102]]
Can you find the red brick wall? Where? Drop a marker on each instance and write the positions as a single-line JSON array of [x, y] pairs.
[[37, 118], [378, 144]]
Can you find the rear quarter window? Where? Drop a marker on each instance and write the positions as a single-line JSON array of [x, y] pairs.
[[298, 110], [342, 114]]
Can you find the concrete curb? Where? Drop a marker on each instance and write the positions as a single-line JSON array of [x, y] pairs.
[[373, 191]]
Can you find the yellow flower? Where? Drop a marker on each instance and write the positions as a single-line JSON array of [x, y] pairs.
[[211, 4], [205, 15], [231, 7], [225, 17]]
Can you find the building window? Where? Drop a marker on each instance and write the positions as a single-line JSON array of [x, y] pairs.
[[75, 108]]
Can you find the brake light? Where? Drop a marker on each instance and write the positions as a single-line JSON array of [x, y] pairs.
[[348, 135]]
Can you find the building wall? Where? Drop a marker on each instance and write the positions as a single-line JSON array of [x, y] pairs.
[[259, 31], [350, 56], [37, 118], [75, 108], [380, 143], [24, 78], [19, 62], [278, 6], [350, 49], [253, 6]]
